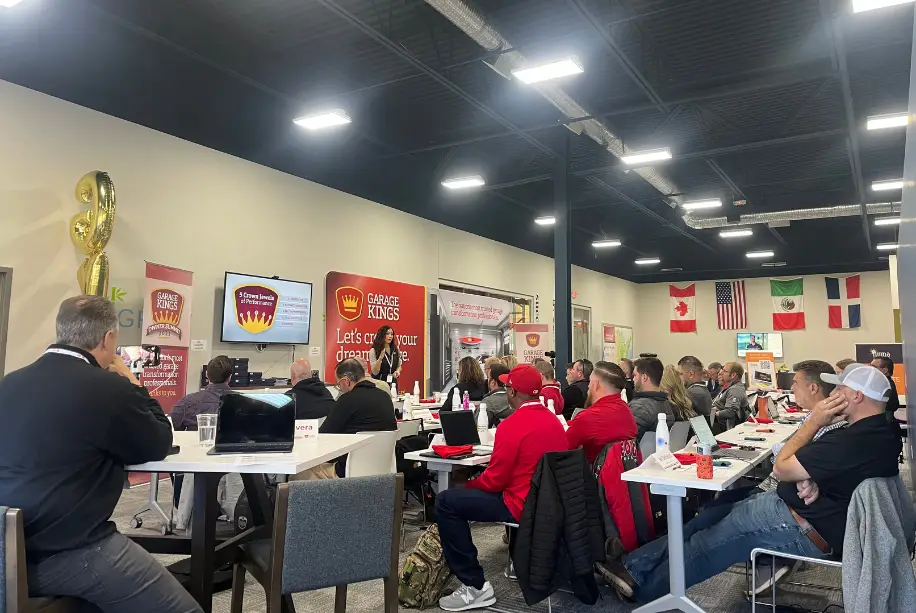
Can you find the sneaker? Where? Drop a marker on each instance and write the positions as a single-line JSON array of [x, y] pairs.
[[616, 575], [466, 598], [509, 573], [766, 576]]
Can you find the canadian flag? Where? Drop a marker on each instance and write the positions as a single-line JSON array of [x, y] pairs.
[[683, 308]]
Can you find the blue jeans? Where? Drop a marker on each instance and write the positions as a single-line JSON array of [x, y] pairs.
[[455, 508], [114, 574], [717, 538]]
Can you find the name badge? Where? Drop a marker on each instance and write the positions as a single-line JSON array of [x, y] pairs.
[[390, 379]]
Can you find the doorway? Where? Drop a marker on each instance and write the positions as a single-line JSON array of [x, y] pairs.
[[6, 289], [582, 317]]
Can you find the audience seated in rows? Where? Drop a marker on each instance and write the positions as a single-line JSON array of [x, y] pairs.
[[498, 495], [577, 376], [673, 385], [313, 400], [550, 388], [731, 404], [72, 420], [184, 413], [626, 365], [470, 380], [712, 379], [691, 371], [497, 400], [792, 519], [606, 418], [648, 400]]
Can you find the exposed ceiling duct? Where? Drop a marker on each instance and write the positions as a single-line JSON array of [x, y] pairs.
[[487, 37], [782, 217]]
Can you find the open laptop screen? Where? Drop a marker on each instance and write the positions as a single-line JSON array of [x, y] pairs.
[[701, 429], [256, 418]]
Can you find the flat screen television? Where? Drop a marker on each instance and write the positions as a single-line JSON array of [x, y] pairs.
[[759, 341], [265, 310]]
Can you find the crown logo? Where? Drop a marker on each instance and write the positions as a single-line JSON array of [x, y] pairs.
[[349, 302], [255, 307], [533, 339], [167, 305]]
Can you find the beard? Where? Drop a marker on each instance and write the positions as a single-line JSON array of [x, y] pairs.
[[589, 399]]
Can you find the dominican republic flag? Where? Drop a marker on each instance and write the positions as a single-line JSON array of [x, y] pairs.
[[844, 307], [788, 303], [683, 308]]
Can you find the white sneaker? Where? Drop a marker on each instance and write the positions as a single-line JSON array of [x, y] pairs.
[[765, 576], [466, 598]]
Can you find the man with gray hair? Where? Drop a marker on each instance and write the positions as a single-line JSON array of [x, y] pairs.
[[71, 421]]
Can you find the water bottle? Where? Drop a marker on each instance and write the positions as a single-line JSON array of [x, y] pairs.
[[407, 410], [550, 405], [416, 389], [466, 400], [455, 402], [661, 433], [483, 425], [394, 390], [541, 398]]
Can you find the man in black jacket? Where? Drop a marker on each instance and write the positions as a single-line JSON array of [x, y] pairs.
[[69, 424], [886, 366], [313, 400], [577, 376], [361, 407], [184, 414]]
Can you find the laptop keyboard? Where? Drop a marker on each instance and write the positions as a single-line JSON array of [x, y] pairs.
[[736, 454]]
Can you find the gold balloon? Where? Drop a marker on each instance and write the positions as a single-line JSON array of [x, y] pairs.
[[91, 230]]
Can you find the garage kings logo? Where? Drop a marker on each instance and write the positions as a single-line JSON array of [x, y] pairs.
[[349, 302]]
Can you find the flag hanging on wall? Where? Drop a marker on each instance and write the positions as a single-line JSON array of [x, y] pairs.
[[731, 305], [683, 308], [788, 303], [844, 307]]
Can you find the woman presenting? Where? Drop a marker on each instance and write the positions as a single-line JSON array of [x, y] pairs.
[[384, 357]]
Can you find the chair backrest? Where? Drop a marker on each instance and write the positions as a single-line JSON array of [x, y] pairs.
[[334, 532], [576, 412], [376, 458], [14, 589], [409, 427], [647, 444], [677, 437]]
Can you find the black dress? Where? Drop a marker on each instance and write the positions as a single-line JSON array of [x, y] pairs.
[[390, 364]]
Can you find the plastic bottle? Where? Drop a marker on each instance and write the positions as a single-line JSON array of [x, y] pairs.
[[466, 400], [542, 400], [661, 433], [455, 402], [416, 389], [407, 411], [550, 405], [483, 424], [394, 390]]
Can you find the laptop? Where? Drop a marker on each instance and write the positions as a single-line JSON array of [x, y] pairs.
[[705, 437], [255, 423], [460, 428]]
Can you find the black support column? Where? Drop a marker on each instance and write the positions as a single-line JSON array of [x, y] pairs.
[[562, 238]]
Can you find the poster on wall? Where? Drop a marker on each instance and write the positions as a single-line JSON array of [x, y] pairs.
[[617, 343], [866, 352], [357, 306], [477, 325], [531, 341], [761, 370], [167, 306], [167, 382]]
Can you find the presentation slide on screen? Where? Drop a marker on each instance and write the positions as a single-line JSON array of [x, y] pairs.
[[264, 310], [760, 341]]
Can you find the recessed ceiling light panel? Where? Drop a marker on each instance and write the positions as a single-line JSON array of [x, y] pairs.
[[545, 72], [641, 157], [464, 182], [603, 244], [712, 203], [883, 122], [883, 186], [647, 261], [546, 220], [328, 119]]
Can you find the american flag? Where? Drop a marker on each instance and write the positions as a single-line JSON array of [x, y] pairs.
[[731, 305]]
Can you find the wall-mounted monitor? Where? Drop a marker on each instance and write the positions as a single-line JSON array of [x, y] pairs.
[[760, 341], [265, 310]]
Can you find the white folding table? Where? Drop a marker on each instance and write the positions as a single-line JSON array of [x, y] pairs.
[[674, 484], [207, 470], [443, 467]]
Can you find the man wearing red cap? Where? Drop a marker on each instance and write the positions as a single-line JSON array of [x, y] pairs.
[[498, 495]]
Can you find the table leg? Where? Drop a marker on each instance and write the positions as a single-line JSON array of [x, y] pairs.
[[677, 600], [203, 538], [444, 478]]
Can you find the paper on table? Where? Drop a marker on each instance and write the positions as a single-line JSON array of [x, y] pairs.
[[663, 459], [261, 458]]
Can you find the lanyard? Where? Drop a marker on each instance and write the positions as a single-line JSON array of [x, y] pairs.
[[72, 354], [389, 357]]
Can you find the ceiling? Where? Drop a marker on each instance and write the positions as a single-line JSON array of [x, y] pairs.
[[752, 98]]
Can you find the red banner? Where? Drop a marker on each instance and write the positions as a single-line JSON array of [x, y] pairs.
[[357, 306], [167, 382], [167, 306]]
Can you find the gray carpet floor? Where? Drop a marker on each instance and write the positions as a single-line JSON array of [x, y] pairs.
[[723, 593]]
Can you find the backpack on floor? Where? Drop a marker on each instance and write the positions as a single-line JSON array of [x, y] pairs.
[[425, 572]]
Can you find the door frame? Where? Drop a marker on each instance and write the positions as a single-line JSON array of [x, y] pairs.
[[6, 290]]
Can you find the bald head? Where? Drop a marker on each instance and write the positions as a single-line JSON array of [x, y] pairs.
[[300, 370]]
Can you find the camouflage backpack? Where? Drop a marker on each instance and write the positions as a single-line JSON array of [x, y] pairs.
[[425, 572]]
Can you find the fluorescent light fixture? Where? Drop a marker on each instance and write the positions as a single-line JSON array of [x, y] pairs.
[[736, 233], [701, 204], [883, 186], [647, 261], [887, 221], [547, 220], [9, 3], [464, 182], [773, 264], [602, 244], [893, 120], [646, 156], [545, 72], [886, 246], [859, 6], [760, 254], [337, 117]]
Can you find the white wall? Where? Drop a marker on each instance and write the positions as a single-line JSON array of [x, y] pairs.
[[816, 341], [187, 206]]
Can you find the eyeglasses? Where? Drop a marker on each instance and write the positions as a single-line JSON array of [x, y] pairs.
[[337, 385]]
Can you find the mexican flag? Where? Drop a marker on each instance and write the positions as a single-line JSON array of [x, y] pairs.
[[788, 304]]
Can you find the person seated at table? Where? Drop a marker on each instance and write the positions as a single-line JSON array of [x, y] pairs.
[[691, 371], [649, 400], [606, 418], [712, 378], [784, 520], [184, 413], [361, 407], [577, 376], [69, 424], [550, 389], [673, 385], [470, 380], [498, 495], [313, 400], [731, 404], [497, 400]]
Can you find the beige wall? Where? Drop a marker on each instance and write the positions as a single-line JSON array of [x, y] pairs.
[[817, 341], [187, 206]]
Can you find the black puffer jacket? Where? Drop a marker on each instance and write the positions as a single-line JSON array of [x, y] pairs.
[[561, 534]]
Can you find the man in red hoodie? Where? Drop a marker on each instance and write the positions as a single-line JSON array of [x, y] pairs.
[[498, 495], [550, 389], [606, 418]]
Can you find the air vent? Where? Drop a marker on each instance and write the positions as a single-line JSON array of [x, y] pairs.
[[773, 264], [671, 269]]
